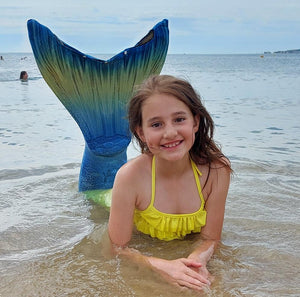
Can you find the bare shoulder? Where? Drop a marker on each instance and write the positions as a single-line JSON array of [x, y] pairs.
[[135, 169], [221, 166], [132, 184], [216, 177], [220, 172]]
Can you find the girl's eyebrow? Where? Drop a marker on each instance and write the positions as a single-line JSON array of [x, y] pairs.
[[177, 113], [153, 119]]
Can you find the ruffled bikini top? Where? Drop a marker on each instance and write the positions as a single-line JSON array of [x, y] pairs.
[[165, 226]]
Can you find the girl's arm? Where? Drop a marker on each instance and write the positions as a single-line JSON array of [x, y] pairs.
[[215, 208], [122, 207], [180, 271]]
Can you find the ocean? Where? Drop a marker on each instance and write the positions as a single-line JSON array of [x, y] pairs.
[[53, 240]]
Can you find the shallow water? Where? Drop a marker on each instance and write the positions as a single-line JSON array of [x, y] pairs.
[[53, 241]]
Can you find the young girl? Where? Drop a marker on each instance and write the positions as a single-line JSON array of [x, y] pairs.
[[177, 186]]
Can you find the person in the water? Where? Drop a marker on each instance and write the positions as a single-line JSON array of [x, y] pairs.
[[177, 186], [23, 76]]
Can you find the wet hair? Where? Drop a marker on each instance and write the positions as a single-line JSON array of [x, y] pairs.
[[204, 149], [22, 74]]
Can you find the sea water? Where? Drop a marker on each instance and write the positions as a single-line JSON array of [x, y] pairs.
[[52, 240]]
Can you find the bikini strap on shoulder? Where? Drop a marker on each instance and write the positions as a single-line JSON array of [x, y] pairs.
[[198, 173], [153, 181]]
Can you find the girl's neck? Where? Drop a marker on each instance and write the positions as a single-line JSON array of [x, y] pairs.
[[172, 168]]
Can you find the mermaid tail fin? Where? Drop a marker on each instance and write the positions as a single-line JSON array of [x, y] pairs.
[[95, 92]]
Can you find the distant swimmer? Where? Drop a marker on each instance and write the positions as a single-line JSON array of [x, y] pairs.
[[1, 58], [23, 76]]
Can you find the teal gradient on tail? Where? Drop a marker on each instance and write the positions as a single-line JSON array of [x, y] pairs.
[[96, 92]]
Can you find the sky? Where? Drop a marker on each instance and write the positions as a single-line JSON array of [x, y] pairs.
[[196, 26]]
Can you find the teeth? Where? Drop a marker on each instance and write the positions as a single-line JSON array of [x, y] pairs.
[[172, 145]]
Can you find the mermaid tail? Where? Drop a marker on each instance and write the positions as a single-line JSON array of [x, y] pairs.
[[96, 92]]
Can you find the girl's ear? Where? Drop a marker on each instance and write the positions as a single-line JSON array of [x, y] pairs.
[[196, 123], [139, 131]]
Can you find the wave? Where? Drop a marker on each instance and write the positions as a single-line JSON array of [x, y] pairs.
[[11, 174], [245, 165]]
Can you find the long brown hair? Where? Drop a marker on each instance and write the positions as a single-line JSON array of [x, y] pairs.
[[204, 149]]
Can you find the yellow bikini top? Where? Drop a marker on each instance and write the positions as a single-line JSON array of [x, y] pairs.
[[167, 226]]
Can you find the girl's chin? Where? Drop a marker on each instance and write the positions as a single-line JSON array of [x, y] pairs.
[[172, 156]]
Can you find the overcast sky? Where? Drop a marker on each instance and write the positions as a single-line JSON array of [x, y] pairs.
[[196, 26]]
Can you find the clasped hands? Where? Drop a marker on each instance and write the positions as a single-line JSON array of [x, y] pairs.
[[182, 272]]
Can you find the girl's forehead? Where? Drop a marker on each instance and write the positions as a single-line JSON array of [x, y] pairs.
[[163, 104], [160, 100]]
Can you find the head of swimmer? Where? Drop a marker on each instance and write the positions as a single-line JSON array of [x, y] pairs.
[[23, 76]]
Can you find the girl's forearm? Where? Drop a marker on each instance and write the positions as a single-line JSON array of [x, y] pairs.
[[204, 251], [130, 253]]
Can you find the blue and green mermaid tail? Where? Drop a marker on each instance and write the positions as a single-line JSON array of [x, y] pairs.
[[96, 92]]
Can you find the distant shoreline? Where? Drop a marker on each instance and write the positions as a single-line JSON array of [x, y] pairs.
[[294, 51]]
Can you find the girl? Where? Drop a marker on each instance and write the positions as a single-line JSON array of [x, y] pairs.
[[177, 186]]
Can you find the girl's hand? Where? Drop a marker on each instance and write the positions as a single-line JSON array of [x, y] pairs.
[[181, 272], [205, 273]]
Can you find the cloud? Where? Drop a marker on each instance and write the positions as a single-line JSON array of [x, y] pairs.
[[194, 24]]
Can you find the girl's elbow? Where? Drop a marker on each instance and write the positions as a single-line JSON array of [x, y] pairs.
[[117, 242]]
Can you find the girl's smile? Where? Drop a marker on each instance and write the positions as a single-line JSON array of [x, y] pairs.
[[172, 144]]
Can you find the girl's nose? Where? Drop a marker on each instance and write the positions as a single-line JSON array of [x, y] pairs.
[[170, 132]]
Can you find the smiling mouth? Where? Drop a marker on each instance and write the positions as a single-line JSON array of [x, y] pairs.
[[173, 144]]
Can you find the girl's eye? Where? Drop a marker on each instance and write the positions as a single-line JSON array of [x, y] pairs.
[[178, 120], [155, 125]]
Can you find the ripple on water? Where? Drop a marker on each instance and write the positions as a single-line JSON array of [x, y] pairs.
[[49, 215]]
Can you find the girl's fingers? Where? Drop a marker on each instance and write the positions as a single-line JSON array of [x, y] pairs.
[[201, 279], [198, 277], [191, 263], [193, 284]]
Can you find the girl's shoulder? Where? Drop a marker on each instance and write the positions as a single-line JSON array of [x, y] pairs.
[[136, 169], [221, 164], [215, 175], [133, 180], [220, 169], [217, 167]]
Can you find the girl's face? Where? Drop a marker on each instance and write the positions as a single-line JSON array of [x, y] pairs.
[[168, 127]]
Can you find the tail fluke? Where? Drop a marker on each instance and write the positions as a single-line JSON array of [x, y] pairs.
[[96, 92]]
